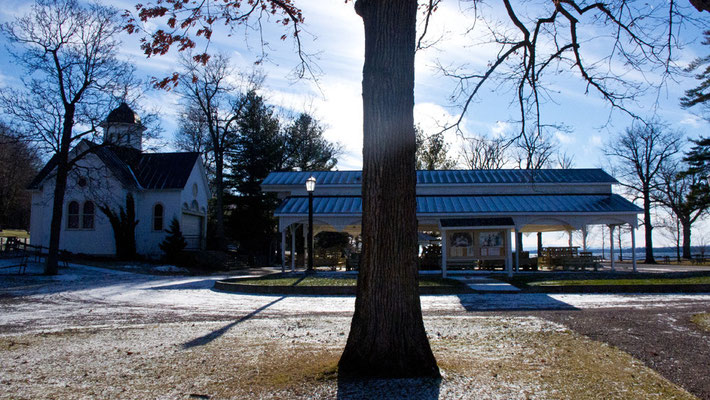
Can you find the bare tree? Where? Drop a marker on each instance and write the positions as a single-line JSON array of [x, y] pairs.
[[683, 195], [671, 230], [534, 149], [565, 160], [484, 153], [551, 38], [639, 155], [73, 76], [211, 105]]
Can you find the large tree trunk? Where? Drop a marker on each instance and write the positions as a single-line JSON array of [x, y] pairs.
[[686, 239], [387, 336], [648, 227], [60, 188]]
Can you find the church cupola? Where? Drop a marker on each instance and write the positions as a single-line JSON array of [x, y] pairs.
[[123, 128]]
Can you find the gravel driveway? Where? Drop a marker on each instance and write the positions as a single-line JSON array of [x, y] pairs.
[[664, 339]]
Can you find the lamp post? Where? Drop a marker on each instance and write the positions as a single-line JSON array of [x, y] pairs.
[[310, 187]]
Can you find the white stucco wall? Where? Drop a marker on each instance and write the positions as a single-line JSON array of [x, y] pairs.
[[103, 188]]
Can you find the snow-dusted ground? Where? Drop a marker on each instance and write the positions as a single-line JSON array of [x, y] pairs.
[[90, 295], [102, 333]]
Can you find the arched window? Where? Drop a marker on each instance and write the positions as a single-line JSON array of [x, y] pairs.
[[87, 217], [73, 215], [158, 217]]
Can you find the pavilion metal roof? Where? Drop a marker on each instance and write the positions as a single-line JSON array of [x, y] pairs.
[[491, 176], [480, 204]]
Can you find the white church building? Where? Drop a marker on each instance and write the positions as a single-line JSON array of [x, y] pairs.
[[164, 186]]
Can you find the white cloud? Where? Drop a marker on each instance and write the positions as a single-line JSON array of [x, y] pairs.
[[500, 129], [692, 120], [596, 141], [564, 138]]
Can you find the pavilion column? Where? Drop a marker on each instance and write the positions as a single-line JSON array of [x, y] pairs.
[[444, 253], [283, 250], [584, 237], [539, 245], [508, 254], [293, 248], [518, 247], [611, 247], [569, 238], [633, 248]]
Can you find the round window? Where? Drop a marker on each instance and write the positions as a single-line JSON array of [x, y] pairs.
[[82, 182]]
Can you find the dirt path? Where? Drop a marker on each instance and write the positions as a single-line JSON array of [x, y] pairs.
[[665, 340]]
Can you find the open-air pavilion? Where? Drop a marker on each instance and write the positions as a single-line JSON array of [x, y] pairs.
[[480, 214]]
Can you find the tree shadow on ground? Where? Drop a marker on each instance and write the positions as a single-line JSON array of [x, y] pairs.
[[512, 302], [410, 388], [203, 340]]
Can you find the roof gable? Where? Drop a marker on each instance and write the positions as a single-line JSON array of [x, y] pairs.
[[156, 171]]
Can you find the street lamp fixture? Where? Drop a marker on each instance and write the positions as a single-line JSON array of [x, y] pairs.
[[310, 187]]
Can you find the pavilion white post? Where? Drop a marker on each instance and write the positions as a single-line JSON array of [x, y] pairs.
[[283, 250], [293, 248], [611, 248], [509, 255], [633, 247], [444, 253], [584, 237], [569, 240], [518, 246]]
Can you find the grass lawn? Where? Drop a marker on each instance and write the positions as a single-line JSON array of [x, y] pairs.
[[18, 233], [487, 357], [697, 280], [702, 320], [315, 280]]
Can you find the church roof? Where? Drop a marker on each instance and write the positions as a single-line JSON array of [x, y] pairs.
[[123, 114], [137, 170]]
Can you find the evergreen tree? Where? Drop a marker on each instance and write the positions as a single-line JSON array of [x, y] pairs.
[[174, 243], [257, 151], [432, 151], [701, 93], [306, 149]]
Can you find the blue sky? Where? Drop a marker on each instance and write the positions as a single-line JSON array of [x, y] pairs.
[[335, 33]]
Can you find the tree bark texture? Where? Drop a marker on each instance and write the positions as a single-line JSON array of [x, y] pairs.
[[647, 225], [387, 336], [60, 187], [686, 239]]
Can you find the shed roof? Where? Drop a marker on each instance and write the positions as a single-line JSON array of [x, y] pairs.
[[480, 204], [447, 177]]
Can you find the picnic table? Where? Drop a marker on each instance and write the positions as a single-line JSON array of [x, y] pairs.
[[568, 257]]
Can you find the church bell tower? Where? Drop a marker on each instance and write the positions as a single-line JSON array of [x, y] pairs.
[[123, 128]]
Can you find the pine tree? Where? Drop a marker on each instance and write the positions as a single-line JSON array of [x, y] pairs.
[[174, 243]]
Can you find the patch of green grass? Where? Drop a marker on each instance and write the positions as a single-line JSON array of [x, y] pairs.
[[697, 280], [702, 320], [315, 280]]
